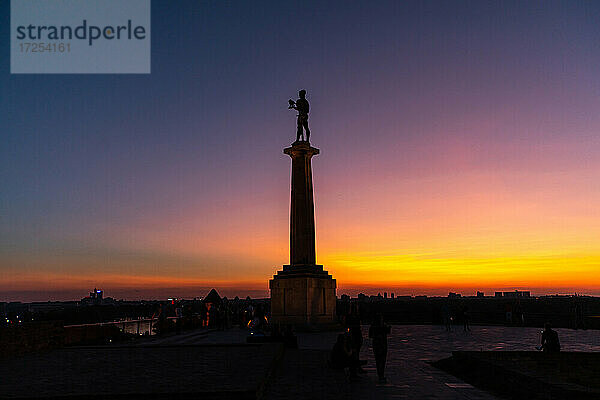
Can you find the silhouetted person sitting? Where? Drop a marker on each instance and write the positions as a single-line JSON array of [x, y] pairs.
[[342, 357], [302, 106], [378, 333], [550, 342]]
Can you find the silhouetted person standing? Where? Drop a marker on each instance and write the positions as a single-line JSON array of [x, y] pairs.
[[579, 316], [378, 333], [355, 331], [465, 316], [550, 342], [518, 317], [447, 317], [302, 106]]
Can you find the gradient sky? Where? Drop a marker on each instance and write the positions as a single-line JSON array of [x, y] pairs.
[[460, 150]]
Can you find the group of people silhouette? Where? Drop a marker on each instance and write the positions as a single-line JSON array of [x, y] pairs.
[[346, 351]]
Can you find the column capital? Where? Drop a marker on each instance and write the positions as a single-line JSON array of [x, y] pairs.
[[301, 149]]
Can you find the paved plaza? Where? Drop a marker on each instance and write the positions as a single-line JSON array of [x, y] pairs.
[[214, 362], [156, 371], [412, 347], [304, 374], [410, 376]]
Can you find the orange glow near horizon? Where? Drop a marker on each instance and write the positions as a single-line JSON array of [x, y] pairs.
[[476, 236]]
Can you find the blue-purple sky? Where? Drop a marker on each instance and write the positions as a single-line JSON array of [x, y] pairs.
[[459, 149]]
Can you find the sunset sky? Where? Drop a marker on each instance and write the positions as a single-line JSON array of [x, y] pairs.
[[460, 150]]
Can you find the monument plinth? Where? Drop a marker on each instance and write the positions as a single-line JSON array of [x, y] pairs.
[[303, 293]]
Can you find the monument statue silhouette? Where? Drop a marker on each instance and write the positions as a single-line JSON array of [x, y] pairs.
[[303, 293], [301, 105]]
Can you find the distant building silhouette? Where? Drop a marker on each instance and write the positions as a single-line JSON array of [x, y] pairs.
[[96, 294], [517, 294], [212, 297], [95, 297]]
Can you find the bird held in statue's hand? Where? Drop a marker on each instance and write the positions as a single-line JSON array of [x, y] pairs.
[[292, 104]]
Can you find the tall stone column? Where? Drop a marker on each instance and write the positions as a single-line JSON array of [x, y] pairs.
[[303, 293], [302, 210]]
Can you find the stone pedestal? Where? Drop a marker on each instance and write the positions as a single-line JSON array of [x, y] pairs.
[[303, 299], [302, 294]]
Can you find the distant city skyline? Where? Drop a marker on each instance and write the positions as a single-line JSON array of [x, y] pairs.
[[162, 294], [459, 152]]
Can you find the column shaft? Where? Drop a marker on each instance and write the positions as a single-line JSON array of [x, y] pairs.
[[302, 215]]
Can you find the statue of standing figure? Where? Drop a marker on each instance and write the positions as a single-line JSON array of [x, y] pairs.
[[301, 105]]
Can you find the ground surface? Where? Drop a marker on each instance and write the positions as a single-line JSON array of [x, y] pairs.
[[529, 374], [191, 363], [187, 370], [410, 376]]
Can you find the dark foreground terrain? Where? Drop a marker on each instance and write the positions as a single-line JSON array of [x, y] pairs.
[[217, 364]]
